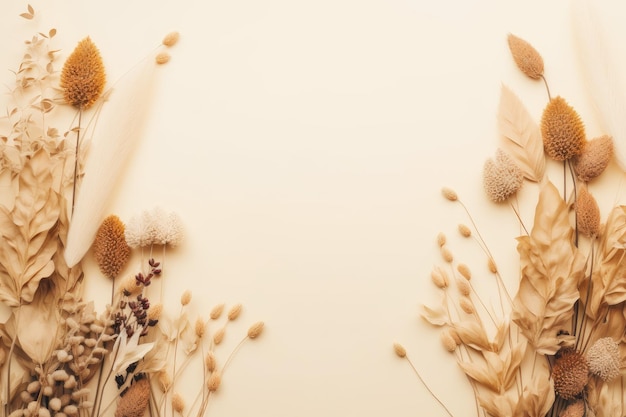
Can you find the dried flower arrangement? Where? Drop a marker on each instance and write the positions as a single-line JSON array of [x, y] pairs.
[[556, 346], [58, 356]]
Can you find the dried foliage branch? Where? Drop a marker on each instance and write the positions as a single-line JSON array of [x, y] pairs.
[[58, 356], [557, 347]]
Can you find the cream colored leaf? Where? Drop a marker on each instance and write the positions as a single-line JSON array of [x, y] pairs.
[[479, 372], [551, 268], [129, 351], [522, 136], [36, 330], [537, 398], [497, 404], [473, 335], [436, 316]]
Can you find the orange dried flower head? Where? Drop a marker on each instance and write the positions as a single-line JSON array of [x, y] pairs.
[[501, 177], [604, 359], [570, 374], [135, 401], [562, 130], [575, 409], [587, 213], [595, 158], [83, 77], [110, 248], [526, 57]]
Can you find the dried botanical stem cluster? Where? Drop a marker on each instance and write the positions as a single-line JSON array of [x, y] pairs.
[[57, 354], [556, 347]]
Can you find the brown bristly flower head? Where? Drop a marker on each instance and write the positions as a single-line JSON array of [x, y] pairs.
[[255, 330], [83, 77], [595, 158], [171, 39], [135, 400], [464, 230], [399, 350], [439, 277], [178, 403], [562, 130], [449, 194], [570, 374], [234, 312], [575, 409], [216, 312], [526, 57], [604, 359], [501, 177], [587, 213], [110, 248], [214, 381]]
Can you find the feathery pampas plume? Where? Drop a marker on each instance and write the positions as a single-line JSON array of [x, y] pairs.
[[123, 120], [602, 77]]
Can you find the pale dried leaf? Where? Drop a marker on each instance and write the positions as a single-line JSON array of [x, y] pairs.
[[36, 330], [130, 351], [522, 136], [473, 335], [551, 269], [437, 316]]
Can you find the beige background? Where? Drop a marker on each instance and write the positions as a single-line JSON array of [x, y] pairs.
[[304, 144]]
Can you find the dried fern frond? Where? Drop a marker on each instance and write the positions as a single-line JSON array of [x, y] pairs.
[[83, 77]]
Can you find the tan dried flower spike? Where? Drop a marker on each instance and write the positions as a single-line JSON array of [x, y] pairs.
[[110, 248], [501, 177], [562, 130], [587, 213], [83, 77], [135, 401], [526, 57]]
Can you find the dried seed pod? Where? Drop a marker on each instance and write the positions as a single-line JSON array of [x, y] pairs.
[[562, 130], [210, 362], [595, 158], [447, 340], [501, 177], [178, 403], [587, 213], [464, 230], [83, 77], [255, 330], [604, 359], [218, 336], [446, 254], [399, 349], [214, 381], [439, 277], [466, 305], [162, 58], [526, 57], [171, 39], [441, 239], [570, 374], [449, 194], [216, 312], [234, 312], [464, 271], [185, 298]]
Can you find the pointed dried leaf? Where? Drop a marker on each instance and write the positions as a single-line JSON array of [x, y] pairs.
[[522, 135]]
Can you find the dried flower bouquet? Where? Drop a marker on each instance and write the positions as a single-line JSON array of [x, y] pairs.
[[58, 355], [556, 346]]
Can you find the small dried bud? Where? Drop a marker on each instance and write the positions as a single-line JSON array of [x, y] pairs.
[[165, 382], [587, 213], [171, 39], [449, 194], [491, 264], [216, 312], [218, 336], [72, 410], [464, 230], [33, 387], [155, 311], [447, 340], [464, 287], [234, 312], [162, 58], [595, 158], [466, 305], [439, 277], [185, 298], [501, 177], [446, 254], [199, 328], [178, 403], [210, 362], [455, 335], [526, 57], [255, 330], [399, 349], [562, 130], [441, 239], [465, 271], [60, 375], [55, 404], [43, 412], [214, 381]]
